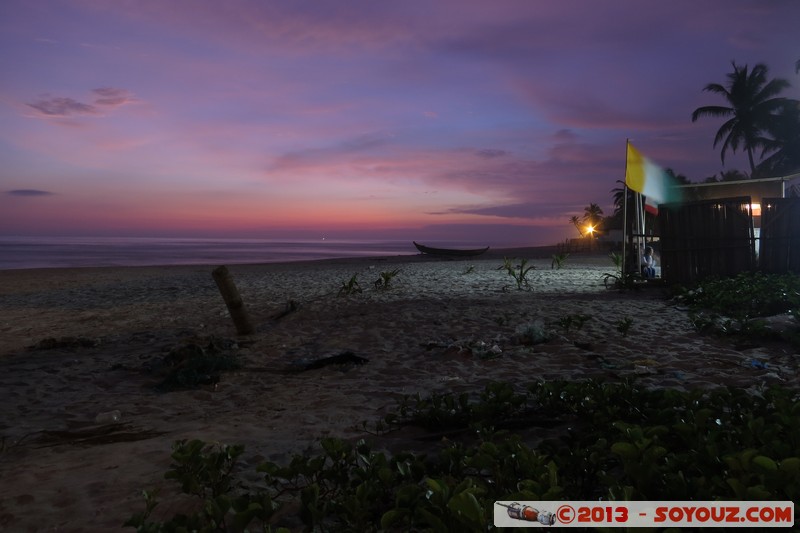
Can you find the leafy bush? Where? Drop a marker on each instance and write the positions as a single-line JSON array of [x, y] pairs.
[[190, 365], [614, 441], [733, 305], [746, 295], [205, 471]]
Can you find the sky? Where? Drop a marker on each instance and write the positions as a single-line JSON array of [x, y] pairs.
[[457, 120]]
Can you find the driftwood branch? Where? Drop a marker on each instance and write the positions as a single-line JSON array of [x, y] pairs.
[[233, 300]]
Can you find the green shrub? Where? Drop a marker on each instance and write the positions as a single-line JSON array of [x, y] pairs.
[[613, 441], [732, 306], [745, 296]]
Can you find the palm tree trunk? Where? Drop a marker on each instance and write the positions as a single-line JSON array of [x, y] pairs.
[[752, 164]]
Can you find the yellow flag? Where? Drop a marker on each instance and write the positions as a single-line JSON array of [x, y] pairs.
[[649, 179]]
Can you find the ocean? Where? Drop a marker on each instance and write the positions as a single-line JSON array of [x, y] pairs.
[[63, 252]]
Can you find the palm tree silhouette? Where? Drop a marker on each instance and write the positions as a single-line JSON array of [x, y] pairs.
[[593, 214], [617, 195], [753, 104], [785, 144], [577, 223]]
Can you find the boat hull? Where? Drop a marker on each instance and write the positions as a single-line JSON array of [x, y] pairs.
[[450, 252]]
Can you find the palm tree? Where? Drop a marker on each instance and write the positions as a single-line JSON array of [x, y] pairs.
[[786, 144], [679, 179], [753, 105], [617, 196], [733, 175], [592, 215], [577, 223]]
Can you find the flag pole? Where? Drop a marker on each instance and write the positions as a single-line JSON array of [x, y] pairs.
[[639, 229], [624, 225], [625, 212]]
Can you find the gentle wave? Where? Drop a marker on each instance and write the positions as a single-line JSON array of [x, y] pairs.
[[63, 252]]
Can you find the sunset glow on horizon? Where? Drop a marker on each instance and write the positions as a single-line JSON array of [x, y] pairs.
[[449, 120]]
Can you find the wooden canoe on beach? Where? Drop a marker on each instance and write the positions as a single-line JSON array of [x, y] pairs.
[[452, 252]]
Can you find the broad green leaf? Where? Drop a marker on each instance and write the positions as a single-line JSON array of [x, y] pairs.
[[790, 465], [758, 493], [466, 505], [392, 517], [432, 520], [626, 450], [765, 463]]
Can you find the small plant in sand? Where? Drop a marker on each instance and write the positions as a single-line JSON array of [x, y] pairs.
[[518, 272], [616, 258], [577, 320], [483, 350], [624, 325], [385, 279], [613, 279], [532, 333], [502, 320], [195, 362], [559, 260], [618, 279], [476, 348], [350, 287]]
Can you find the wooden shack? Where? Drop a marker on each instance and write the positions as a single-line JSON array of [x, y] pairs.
[[722, 229]]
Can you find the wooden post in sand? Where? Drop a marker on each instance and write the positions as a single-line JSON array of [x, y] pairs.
[[232, 299]]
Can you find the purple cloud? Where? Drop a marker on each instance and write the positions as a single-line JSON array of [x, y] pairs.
[[525, 210], [490, 153], [62, 107], [28, 192], [111, 96], [343, 152], [59, 106]]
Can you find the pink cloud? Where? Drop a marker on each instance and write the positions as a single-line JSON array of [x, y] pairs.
[[105, 98]]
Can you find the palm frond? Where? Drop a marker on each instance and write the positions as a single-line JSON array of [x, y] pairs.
[[711, 111]]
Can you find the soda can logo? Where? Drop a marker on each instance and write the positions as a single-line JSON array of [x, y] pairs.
[[526, 513]]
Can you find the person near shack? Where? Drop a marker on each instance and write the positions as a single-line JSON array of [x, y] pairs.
[[648, 263]]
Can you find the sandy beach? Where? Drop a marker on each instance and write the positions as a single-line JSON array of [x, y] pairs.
[[75, 343]]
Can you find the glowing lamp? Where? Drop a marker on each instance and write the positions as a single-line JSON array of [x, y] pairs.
[[755, 209]]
